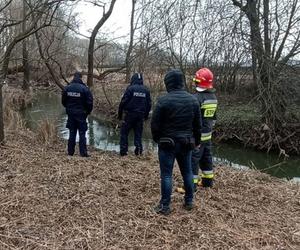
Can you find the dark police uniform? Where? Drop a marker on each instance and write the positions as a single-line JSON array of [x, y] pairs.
[[78, 101], [136, 104]]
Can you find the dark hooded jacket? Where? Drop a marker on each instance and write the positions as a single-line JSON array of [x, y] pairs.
[[177, 114], [136, 98], [77, 98]]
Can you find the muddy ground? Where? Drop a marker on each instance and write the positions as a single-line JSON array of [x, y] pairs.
[[49, 200]]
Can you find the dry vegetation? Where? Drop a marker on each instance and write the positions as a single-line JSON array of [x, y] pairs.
[[51, 201], [15, 99]]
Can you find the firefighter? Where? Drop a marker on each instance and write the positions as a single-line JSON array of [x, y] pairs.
[[136, 104], [175, 126], [202, 155], [78, 101]]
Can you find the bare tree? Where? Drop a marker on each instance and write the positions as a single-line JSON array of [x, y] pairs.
[[42, 13], [274, 42], [26, 77], [91, 48], [130, 45]]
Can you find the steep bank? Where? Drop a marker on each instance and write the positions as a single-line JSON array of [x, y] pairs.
[[51, 201], [240, 123]]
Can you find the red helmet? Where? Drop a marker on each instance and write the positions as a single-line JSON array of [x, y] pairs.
[[204, 79]]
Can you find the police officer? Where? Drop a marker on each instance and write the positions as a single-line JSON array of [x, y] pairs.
[[176, 128], [136, 104], [78, 101], [202, 155]]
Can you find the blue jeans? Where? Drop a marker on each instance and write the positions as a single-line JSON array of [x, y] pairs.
[[166, 162]]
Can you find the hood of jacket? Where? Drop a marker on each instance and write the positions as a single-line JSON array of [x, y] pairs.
[[77, 78], [174, 80], [137, 79]]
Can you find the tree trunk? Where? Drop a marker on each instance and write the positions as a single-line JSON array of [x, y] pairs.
[[270, 94], [26, 75], [1, 114], [92, 43], [130, 46]]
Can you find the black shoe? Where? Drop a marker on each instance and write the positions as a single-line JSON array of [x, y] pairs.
[[85, 155], [207, 183], [138, 151], [160, 209], [123, 154], [188, 206]]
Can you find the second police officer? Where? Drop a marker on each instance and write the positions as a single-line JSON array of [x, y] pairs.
[[136, 104]]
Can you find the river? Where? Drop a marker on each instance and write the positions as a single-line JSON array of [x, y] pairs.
[[100, 135]]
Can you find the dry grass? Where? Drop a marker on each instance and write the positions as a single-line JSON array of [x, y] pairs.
[[47, 132], [12, 120], [14, 100], [51, 201]]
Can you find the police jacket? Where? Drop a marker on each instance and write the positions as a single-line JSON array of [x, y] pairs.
[[136, 98], [208, 104], [77, 98], [177, 114]]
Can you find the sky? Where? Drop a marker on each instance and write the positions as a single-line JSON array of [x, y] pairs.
[[117, 25]]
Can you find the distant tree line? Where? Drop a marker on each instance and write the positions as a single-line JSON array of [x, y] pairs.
[[253, 44]]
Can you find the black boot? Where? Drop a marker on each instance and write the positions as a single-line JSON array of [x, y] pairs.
[[207, 182], [188, 206], [161, 209]]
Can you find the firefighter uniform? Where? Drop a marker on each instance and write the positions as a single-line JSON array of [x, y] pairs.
[[202, 156]]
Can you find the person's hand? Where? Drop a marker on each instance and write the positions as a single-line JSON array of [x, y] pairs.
[[198, 146]]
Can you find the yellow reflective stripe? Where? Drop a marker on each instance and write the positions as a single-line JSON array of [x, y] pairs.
[[205, 137], [195, 181], [207, 176], [207, 172], [209, 105]]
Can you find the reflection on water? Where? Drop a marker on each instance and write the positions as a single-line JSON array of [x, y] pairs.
[[48, 106]]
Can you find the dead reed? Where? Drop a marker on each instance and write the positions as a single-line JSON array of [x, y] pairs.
[[47, 132], [51, 201]]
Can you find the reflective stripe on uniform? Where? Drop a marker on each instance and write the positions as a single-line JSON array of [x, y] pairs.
[[207, 174], [209, 107], [195, 179], [206, 136], [211, 103]]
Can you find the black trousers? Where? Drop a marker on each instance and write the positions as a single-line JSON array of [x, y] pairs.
[[132, 121], [77, 123]]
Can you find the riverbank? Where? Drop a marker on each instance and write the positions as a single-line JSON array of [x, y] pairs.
[[239, 119], [52, 201]]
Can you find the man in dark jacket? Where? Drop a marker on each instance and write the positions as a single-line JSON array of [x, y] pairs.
[[176, 128], [78, 101], [136, 104]]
